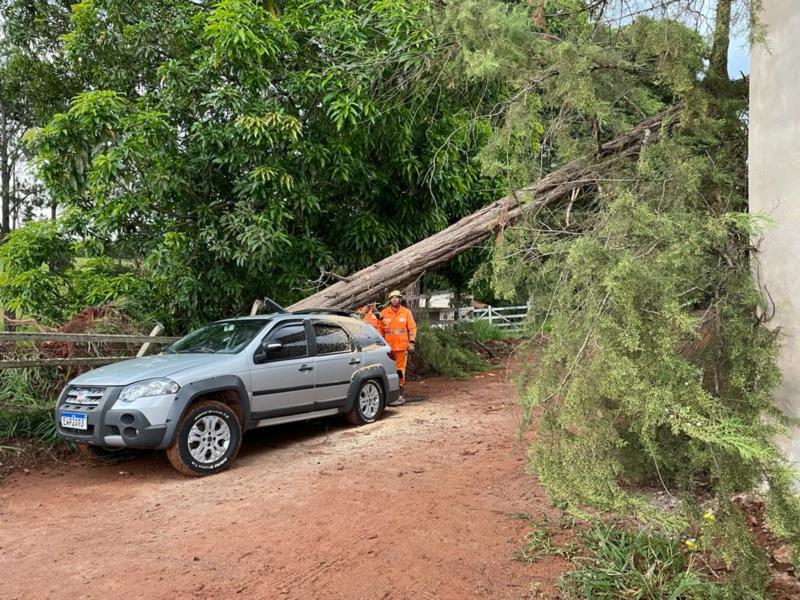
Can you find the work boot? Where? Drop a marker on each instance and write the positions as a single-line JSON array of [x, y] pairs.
[[399, 402]]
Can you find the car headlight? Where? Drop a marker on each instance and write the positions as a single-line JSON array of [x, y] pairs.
[[148, 387]]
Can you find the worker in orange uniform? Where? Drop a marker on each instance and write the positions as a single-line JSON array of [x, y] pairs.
[[400, 331], [369, 314]]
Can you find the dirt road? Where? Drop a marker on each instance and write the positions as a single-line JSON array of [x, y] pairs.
[[419, 505]]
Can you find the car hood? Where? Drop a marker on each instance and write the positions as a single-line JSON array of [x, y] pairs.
[[147, 367]]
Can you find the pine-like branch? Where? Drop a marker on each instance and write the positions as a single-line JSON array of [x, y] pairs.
[[431, 253]]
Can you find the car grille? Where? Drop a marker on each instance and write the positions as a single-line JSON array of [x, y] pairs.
[[85, 396]]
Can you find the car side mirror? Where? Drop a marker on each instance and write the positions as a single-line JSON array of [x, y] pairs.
[[265, 349]]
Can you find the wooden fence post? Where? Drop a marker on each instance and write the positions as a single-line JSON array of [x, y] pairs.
[[146, 346], [257, 306]]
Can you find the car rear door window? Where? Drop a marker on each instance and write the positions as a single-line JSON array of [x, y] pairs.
[[330, 339], [293, 340]]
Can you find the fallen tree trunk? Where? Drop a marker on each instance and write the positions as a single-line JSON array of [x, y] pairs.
[[405, 266]]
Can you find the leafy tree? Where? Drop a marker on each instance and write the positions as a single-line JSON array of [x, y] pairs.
[[42, 273], [235, 150], [34, 84]]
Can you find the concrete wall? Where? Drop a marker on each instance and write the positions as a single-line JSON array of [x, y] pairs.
[[775, 185]]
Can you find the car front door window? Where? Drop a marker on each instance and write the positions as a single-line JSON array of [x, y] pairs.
[[286, 343]]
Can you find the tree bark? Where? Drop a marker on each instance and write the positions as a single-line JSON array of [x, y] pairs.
[[5, 177], [433, 252], [718, 62]]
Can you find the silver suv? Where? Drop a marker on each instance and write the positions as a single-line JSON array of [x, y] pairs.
[[197, 398]]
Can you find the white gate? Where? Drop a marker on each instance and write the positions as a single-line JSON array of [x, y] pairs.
[[504, 317]]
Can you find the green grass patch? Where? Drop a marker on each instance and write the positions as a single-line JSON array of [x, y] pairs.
[[539, 544], [28, 423], [27, 399], [619, 564]]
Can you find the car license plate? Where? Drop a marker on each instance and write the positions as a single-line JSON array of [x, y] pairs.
[[74, 420]]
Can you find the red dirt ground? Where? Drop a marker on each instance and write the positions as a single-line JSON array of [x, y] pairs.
[[419, 505]]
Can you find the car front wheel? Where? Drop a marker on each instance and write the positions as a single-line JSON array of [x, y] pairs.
[[369, 403], [207, 439]]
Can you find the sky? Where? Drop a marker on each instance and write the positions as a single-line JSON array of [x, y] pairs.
[[739, 56]]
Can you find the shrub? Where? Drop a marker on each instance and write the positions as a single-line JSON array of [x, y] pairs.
[[446, 351]]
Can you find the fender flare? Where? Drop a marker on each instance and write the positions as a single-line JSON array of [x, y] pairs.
[[191, 391], [359, 377]]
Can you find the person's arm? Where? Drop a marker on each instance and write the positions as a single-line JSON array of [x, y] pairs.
[[411, 325], [379, 318]]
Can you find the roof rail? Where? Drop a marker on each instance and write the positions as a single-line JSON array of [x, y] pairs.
[[324, 311]]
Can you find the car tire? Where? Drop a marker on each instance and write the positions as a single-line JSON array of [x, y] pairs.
[[207, 439], [369, 403]]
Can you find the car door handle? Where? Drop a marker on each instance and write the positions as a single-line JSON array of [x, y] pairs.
[[355, 361], [306, 368]]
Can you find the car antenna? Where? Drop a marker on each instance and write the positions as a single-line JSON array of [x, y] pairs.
[[274, 306]]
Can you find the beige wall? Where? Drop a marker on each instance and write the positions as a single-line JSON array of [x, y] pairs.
[[775, 185]]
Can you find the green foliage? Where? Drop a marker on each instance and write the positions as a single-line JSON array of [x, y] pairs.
[[42, 275], [26, 404], [30, 423], [619, 564], [484, 331], [654, 343], [232, 150], [445, 351], [34, 84], [219, 152], [658, 370]]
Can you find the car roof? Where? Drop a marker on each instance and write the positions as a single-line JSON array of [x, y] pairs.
[[299, 315]]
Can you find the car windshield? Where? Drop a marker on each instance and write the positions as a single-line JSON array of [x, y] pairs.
[[224, 337]]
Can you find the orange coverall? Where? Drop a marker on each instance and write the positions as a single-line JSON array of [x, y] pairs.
[[373, 320], [369, 314], [399, 330]]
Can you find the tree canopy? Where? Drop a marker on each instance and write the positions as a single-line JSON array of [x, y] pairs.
[[234, 150]]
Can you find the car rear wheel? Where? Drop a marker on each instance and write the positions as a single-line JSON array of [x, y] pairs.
[[369, 403], [207, 439]]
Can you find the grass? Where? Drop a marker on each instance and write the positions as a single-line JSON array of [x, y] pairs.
[[36, 423], [27, 398], [619, 564], [539, 544], [615, 563]]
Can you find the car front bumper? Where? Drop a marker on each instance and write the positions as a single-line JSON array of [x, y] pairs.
[[110, 425]]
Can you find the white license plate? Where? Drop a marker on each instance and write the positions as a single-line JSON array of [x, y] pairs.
[[74, 420]]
